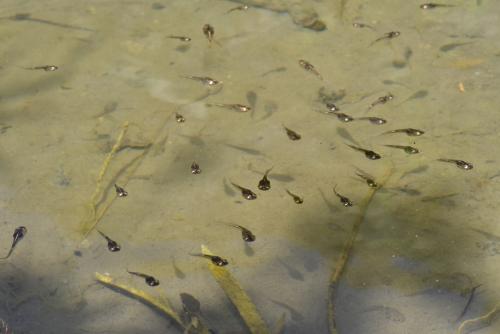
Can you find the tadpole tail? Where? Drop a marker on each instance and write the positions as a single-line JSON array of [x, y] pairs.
[[8, 254]]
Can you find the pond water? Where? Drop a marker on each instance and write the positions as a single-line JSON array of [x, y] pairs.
[[421, 250]]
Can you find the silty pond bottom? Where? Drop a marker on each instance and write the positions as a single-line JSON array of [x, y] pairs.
[[134, 132]]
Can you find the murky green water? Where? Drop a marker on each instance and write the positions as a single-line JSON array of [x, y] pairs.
[[430, 233]]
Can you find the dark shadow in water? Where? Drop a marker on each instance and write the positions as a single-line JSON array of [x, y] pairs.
[[34, 303], [249, 250], [388, 248]]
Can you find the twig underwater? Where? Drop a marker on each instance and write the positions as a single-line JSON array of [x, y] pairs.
[[346, 251]]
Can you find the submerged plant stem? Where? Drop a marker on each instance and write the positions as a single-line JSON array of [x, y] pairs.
[[344, 256], [470, 325], [98, 216], [90, 224], [93, 220]]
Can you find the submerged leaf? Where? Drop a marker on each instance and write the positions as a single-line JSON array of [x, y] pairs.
[[160, 304], [238, 296]]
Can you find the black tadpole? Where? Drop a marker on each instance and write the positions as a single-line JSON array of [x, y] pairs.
[[246, 234], [113, 246], [217, 260], [120, 192], [19, 233], [150, 280], [264, 183]]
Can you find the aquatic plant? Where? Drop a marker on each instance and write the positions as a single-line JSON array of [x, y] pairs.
[[344, 256], [233, 290]]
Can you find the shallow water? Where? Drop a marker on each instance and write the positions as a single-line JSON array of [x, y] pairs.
[[429, 235]]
